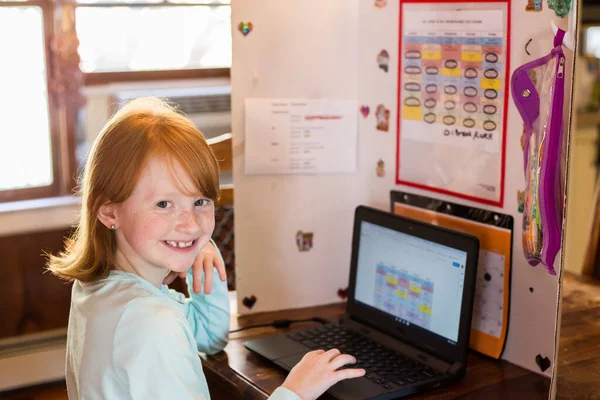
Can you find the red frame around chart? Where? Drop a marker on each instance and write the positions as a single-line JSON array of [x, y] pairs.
[[499, 203]]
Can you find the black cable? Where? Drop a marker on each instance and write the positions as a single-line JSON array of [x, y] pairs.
[[282, 323]]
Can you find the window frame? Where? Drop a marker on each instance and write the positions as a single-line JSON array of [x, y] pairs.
[[57, 187], [104, 78]]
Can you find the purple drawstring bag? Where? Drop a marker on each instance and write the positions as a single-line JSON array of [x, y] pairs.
[[538, 92]]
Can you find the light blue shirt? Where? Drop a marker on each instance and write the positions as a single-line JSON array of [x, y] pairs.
[[128, 339]]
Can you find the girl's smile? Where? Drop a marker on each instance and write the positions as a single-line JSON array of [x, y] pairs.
[[182, 246]]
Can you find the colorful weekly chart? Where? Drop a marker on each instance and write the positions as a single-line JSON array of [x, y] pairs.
[[451, 99], [404, 295]]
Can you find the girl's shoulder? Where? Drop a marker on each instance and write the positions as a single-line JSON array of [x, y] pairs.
[[119, 287], [122, 293], [151, 311]]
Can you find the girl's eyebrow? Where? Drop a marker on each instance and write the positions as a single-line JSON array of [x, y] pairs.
[[172, 194]]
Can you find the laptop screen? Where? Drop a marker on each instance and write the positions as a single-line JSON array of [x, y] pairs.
[[413, 280]]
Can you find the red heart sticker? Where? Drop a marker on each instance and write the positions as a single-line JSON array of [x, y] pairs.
[[343, 293]]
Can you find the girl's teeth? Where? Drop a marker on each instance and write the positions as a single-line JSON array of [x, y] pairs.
[[179, 244]]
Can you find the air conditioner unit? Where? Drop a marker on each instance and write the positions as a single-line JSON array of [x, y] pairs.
[[207, 104], [209, 107]]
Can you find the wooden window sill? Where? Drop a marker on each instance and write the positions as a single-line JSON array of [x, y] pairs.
[[38, 215]]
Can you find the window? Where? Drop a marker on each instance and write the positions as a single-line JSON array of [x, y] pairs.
[[170, 39], [107, 40], [592, 41], [27, 157]]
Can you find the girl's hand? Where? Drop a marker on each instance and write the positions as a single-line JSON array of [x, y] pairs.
[[207, 260], [316, 373]]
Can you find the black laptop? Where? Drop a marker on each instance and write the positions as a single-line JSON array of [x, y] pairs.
[[408, 316]]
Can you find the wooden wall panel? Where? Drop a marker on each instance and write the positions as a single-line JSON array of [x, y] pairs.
[[31, 301]]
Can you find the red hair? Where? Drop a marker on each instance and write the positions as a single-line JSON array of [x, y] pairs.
[[144, 127]]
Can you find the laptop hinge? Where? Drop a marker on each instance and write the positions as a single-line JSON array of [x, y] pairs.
[[456, 369]]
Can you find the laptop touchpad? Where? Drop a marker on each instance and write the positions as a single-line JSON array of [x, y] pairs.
[[356, 389], [292, 360], [276, 347]]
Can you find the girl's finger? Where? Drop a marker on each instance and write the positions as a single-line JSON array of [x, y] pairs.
[[208, 275], [197, 274], [312, 356], [342, 360], [220, 268], [348, 373], [331, 354], [315, 352]]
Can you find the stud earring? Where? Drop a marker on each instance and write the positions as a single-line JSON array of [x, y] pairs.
[[113, 227]]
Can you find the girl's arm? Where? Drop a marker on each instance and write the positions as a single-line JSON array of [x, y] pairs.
[[200, 303], [208, 314]]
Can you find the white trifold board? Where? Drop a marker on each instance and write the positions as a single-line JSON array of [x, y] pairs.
[[327, 50]]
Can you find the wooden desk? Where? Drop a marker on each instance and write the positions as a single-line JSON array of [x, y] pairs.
[[485, 379], [578, 361], [579, 350]]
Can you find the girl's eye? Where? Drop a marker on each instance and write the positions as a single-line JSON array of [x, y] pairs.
[[163, 204], [201, 202]]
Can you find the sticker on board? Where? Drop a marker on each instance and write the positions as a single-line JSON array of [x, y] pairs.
[[542, 362], [304, 240], [364, 110], [383, 59], [380, 170], [534, 5], [245, 27], [249, 301], [383, 118]]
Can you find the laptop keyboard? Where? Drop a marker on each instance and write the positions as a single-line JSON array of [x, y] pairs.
[[382, 365]]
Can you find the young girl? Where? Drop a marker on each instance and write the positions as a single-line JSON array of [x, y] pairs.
[[148, 195]]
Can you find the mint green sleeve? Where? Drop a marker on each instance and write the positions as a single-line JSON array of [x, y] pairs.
[[282, 393], [208, 314]]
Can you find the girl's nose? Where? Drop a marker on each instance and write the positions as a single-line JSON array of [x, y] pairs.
[[188, 223]]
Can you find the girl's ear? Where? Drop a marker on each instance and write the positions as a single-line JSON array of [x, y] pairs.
[[107, 214]]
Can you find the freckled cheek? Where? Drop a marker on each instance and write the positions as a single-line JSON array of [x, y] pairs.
[[150, 230], [207, 223]]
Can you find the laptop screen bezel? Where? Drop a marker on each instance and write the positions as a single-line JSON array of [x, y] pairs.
[[413, 334]]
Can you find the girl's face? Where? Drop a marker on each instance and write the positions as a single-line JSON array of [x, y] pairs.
[[159, 227]]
